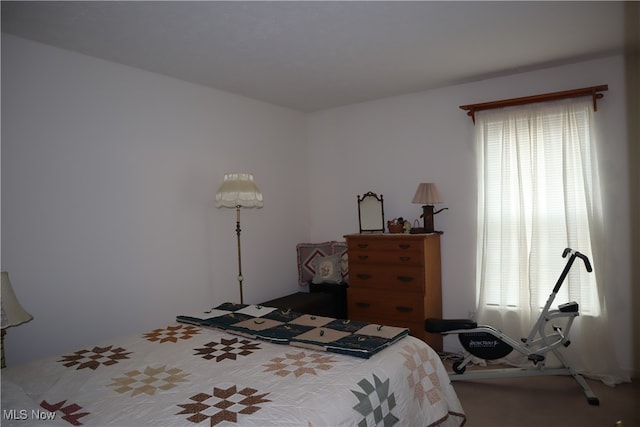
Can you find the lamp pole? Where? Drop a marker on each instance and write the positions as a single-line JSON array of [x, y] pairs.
[[240, 278]]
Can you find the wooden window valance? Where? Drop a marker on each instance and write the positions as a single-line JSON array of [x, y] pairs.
[[593, 91]]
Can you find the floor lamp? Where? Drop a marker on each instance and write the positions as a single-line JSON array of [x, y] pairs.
[[12, 312], [239, 191]]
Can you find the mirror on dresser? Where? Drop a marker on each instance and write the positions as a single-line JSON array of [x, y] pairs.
[[371, 213]]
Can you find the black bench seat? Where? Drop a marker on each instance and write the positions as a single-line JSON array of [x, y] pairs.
[[328, 301], [440, 326]]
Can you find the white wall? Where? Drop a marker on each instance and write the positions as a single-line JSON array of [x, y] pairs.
[[109, 175], [389, 146]]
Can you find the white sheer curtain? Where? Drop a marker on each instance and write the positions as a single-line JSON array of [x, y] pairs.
[[539, 193]]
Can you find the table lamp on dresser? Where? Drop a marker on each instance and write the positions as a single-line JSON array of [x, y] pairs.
[[428, 195], [13, 314]]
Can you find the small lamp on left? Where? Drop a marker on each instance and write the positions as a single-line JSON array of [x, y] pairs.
[[13, 314]]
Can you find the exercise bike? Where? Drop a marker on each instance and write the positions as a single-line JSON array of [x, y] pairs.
[[488, 343]]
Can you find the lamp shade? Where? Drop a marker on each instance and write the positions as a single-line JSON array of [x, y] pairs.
[[427, 194], [13, 314], [239, 190]]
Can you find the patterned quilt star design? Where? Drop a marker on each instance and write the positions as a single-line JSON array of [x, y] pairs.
[[70, 412], [375, 403], [227, 349], [172, 333], [225, 404], [422, 378], [95, 357], [149, 380], [299, 364]]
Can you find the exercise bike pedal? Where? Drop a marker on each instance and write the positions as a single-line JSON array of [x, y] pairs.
[[565, 341], [536, 358]]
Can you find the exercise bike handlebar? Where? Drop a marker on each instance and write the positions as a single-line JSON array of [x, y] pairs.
[[584, 258], [574, 255]]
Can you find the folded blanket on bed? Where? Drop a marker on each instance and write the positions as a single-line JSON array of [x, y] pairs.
[[349, 337]]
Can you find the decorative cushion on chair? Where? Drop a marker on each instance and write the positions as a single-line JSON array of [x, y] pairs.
[[328, 269], [341, 248], [307, 252]]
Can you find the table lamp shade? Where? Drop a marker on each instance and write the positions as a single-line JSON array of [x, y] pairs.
[[427, 194], [13, 313], [239, 190]]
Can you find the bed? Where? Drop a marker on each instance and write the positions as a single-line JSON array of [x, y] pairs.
[[205, 370]]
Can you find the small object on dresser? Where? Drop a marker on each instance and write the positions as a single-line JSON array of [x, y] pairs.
[[396, 225], [416, 229]]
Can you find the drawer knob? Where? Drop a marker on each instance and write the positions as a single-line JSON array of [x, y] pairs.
[[363, 257], [363, 304], [405, 258], [404, 309], [404, 245], [363, 245], [405, 278], [364, 276]]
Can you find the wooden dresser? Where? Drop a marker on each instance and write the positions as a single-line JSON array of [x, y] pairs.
[[394, 279]]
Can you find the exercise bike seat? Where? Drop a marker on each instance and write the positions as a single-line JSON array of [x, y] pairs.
[[440, 326], [570, 307]]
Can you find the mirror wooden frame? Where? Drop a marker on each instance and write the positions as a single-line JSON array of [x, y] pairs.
[[371, 213]]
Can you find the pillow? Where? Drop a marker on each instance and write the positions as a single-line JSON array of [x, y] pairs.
[[307, 253], [328, 269], [341, 248]]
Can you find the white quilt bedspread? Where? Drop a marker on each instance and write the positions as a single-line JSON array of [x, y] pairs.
[[186, 375]]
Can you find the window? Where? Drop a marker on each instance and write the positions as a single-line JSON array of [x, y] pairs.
[[538, 194]]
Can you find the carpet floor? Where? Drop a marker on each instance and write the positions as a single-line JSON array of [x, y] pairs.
[[549, 401]]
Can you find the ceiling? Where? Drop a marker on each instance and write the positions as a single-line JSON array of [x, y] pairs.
[[315, 55]]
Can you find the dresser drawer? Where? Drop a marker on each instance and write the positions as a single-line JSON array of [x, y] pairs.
[[410, 278], [367, 304], [385, 244], [396, 258]]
